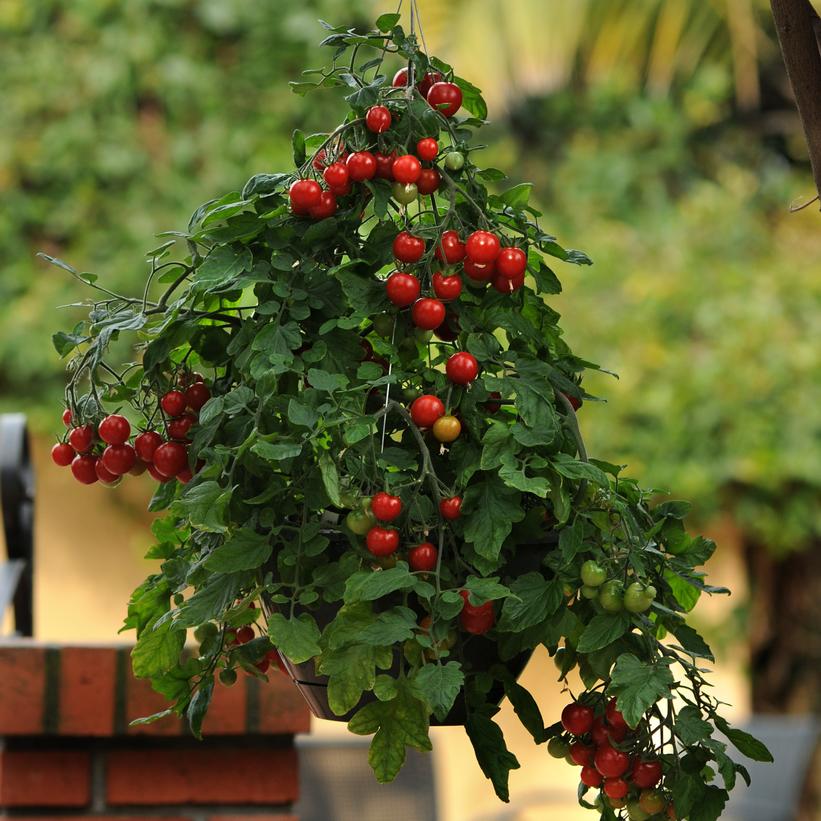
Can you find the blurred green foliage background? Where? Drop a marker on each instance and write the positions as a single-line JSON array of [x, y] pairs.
[[660, 137]]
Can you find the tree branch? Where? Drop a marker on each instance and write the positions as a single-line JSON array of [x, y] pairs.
[[799, 33]]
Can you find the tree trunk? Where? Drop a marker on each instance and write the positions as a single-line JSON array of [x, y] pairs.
[[785, 642]]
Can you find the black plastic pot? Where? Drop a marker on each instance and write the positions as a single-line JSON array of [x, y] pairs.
[[478, 654]]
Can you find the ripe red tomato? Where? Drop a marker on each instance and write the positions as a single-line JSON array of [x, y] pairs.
[[482, 247], [325, 208], [614, 717], [446, 98], [646, 774], [402, 289], [173, 403], [424, 85], [408, 248], [427, 149], [378, 119], [386, 507], [494, 407], [428, 182], [336, 175], [139, 468], [462, 368], [577, 718], [155, 474], [446, 288], [81, 438], [599, 732], [426, 409], [610, 762], [67, 417], [119, 459], [170, 458], [304, 194], [652, 801], [476, 619], [62, 454], [245, 634], [400, 79], [105, 475], [452, 246], [406, 169], [615, 788], [384, 165], [423, 557], [361, 166], [507, 286], [382, 541], [146, 443], [83, 468], [448, 330], [511, 262], [447, 429], [178, 428], [582, 754], [427, 313], [114, 429], [185, 475], [197, 395], [590, 777], [451, 508], [477, 272]]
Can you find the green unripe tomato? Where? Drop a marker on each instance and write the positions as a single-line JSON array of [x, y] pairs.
[[228, 676], [404, 193], [635, 812], [590, 592], [593, 574], [454, 161], [611, 596], [205, 631], [360, 521], [349, 499], [635, 598], [565, 660], [570, 761], [383, 325], [567, 589], [409, 394], [650, 592], [558, 747]]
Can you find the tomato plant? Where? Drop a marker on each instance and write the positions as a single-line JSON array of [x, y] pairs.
[[327, 436]]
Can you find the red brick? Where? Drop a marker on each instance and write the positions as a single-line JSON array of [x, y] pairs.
[[73, 817], [198, 775], [45, 779], [251, 817], [226, 713], [87, 690], [282, 710], [22, 688], [141, 701]]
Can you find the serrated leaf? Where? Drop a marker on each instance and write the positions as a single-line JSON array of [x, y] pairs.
[[603, 629], [489, 511], [157, 650], [296, 637], [439, 685], [533, 599], [492, 753], [330, 478], [244, 549], [385, 22], [276, 451], [745, 743], [690, 726], [369, 585], [352, 670], [573, 469], [638, 685]]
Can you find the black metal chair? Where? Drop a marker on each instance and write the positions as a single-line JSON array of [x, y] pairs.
[[17, 504]]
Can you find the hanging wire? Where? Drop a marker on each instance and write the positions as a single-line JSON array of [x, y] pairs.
[[421, 30]]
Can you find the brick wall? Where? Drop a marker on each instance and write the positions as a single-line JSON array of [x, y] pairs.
[[68, 751]]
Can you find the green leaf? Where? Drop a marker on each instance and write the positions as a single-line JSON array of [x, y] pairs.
[[65, 343], [157, 651], [358, 624], [324, 381], [221, 266], [198, 706], [492, 754], [244, 549], [276, 451], [489, 509], [296, 637], [330, 478], [638, 685], [369, 585], [486, 589], [211, 600], [439, 685], [205, 504], [472, 100], [686, 594], [513, 473], [301, 414], [745, 743], [710, 805], [399, 723], [385, 22], [351, 670], [602, 630], [691, 641], [533, 600], [497, 443], [571, 540], [517, 196], [527, 710], [573, 469], [690, 726]]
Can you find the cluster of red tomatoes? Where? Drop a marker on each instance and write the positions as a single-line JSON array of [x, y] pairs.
[[593, 742], [103, 452]]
